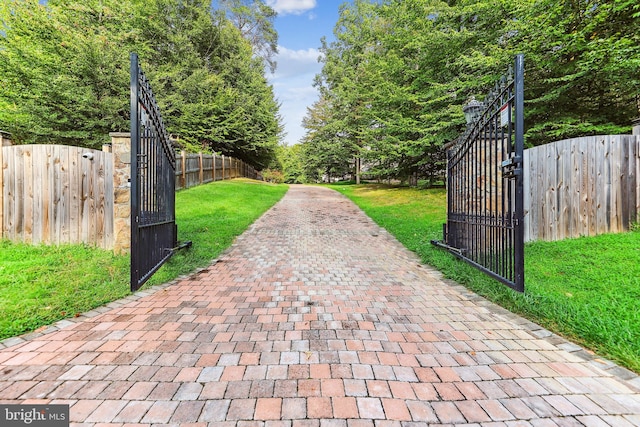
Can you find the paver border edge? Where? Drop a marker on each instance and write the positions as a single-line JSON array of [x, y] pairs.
[[620, 373]]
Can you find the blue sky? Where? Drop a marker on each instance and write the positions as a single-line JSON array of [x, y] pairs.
[[300, 25]]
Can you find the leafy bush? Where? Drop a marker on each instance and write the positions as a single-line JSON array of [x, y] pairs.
[[273, 176]]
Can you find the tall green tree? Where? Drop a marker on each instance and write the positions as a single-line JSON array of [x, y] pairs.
[[64, 82], [399, 72], [583, 67], [65, 67], [254, 19], [328, 152]]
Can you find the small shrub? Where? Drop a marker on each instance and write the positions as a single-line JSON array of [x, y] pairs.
[[273, 176]]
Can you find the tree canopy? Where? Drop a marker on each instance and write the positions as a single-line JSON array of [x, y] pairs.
[[396, 77], [64, 70]]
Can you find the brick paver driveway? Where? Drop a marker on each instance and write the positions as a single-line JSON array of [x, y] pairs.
[[315, 317]]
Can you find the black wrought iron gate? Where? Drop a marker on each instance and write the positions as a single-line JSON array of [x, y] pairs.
[[153, 164], [485, 210]]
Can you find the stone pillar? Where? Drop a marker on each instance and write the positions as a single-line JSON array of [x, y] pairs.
[[635, 126], [121, 150], [5, 139]]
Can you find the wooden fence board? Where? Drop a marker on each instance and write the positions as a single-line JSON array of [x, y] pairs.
[[218, 163], [197, 169], [45, 215], [52, 194], [563, 194], [617, 180], [61, 203], [27, 228], [602, 185], [103, 215], [207, 169], [75, 197], [582, 187]]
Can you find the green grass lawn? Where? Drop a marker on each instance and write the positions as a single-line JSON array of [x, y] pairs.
[[586, 289], [42, 284]]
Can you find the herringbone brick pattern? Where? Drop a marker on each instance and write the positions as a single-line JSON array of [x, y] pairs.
[[315, 317]]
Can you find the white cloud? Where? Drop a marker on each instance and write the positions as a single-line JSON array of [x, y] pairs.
[[293, 7], [296, 62]]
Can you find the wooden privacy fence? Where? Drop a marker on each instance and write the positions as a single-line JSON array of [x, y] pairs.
[[582, 187], [56, 194], [197, 169]]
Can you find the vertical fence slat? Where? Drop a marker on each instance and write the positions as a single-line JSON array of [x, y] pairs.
[[183, 157], [592, 195], [618, 176], [215, 159], [100, 172], [574, 191], [61, 204], [27, 195], [600, 186], [588, 186], [75, 198], [564, 192], [39, 159], [85, 202], [16, 211]]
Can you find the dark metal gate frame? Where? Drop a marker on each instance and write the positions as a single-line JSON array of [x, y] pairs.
[[153, 164], [485, 209]]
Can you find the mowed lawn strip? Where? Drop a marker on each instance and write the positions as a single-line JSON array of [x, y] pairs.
[[586, 289], [41, 284]]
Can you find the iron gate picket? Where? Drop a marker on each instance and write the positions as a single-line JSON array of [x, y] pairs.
[[153, 163], [485, 209]]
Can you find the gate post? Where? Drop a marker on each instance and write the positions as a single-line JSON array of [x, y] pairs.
[[121, 151], [519, 174]]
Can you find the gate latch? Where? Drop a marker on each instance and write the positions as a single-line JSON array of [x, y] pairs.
[[511, 167]]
